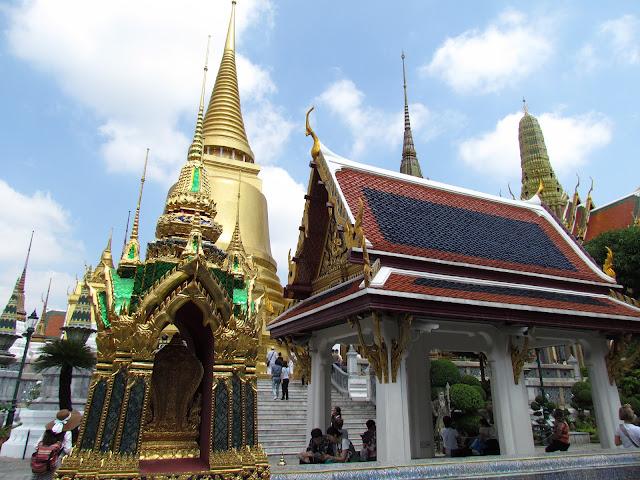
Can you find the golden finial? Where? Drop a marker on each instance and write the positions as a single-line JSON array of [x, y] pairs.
[[315, 150], [510, 191], [136, 218], [608, 264], [540, 188], [589, 199], [41, 328]]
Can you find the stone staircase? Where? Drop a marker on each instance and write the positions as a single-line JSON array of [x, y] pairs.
[[282, 424]]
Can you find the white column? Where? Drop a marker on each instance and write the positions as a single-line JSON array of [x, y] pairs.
[[319, 390], [419, 383], [510, 401], [606, 400], [392, 409]]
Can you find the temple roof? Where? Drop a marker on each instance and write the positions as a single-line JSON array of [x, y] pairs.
[[410, 216], [615, 215]]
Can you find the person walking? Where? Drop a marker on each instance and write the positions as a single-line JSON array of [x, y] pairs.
[[271, 358], [285, 381], [628, 434], [55, 442], [276, 378]]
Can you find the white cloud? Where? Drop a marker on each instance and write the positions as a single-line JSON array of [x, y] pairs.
[[499, 56], [55, 252], [569, 140], [371, 126], [624, 36], [285, 198], [268, 131], [136, 65]]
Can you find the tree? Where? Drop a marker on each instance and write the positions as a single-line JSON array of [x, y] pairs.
[[65, 355], [581, 396], [625, 245], [444, 371]]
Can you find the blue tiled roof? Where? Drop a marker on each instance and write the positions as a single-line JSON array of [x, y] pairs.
[[423, 224]]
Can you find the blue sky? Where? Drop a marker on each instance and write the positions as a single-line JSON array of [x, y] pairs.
[[86, 86]]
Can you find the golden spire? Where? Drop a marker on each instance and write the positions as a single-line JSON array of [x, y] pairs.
[[235, 245], [106, 258], [41, 328], [197, 145], [131, 253], [223, 124], [409, 164]]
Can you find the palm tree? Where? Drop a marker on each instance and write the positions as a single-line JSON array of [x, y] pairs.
[[66, 355]]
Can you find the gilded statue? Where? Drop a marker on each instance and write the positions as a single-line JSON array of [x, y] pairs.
[[519, 355], [608, 264]]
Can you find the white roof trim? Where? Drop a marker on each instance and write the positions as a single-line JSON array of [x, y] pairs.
[[511, 306], [482, 267], [335, 162], [628, 305], [635, 193]]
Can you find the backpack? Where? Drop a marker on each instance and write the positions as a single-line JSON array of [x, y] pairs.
[[45, 458]]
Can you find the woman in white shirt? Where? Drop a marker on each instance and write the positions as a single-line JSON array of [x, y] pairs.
[[285, 382], [627, 435]]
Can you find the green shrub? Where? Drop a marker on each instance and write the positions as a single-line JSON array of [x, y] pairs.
[[444, 371], [581, 398], [466, 398], [468, 423], [470, 380], [480, 390]]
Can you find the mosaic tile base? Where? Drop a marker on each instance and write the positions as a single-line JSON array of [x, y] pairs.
[[609, 466]]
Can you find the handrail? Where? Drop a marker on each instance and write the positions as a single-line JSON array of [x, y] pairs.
[[340, 379]]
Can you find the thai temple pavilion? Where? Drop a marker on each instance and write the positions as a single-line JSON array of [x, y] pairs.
[[399, 265], [178, 332]]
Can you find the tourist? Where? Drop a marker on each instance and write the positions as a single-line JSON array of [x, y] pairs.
[[560, 436], [369, 452], [280, 360], [271, 358], [485, 433], [54, 443], [451, 440], [336, 412], [276, 372], [344, 449], [338, 424], [337, 358], [319, 446], [285, 381], [628, 434]]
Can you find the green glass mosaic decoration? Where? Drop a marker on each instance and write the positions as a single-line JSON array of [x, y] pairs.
[[122, 290], [195, 183], [102, 302]]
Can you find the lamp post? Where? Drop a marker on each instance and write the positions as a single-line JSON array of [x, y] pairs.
[[540, 373], [31, 321]]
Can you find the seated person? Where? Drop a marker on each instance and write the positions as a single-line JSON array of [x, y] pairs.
[[344, 450], [560, 436], [319, 446], [338, 424], [451, 440], [369, 451], [485, 433]]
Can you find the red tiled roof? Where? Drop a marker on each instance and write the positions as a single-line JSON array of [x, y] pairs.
[[55, 322], [508, 294], [499, 249], [616, 216]]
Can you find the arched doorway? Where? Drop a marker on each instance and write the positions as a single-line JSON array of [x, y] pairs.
[[181, 383]]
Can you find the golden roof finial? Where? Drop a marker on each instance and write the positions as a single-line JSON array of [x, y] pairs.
[[136, 218], [42, 324], [608, 264], [235, 244], [315, 149], [510, 191], [223, 123], [197, 144]]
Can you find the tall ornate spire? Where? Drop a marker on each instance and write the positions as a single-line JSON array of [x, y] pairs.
[[197, 144], [41, 328], [536, 166], [14, 310], [237, 261], [409, 164], [224, 131], [131, 254]]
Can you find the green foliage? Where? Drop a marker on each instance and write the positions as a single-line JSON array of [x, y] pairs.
[[470, 380], [466, 398], [587, 424], [61, 353], [481, 391], [626, 256], [444, 371], [468, 423], [581, 396]]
